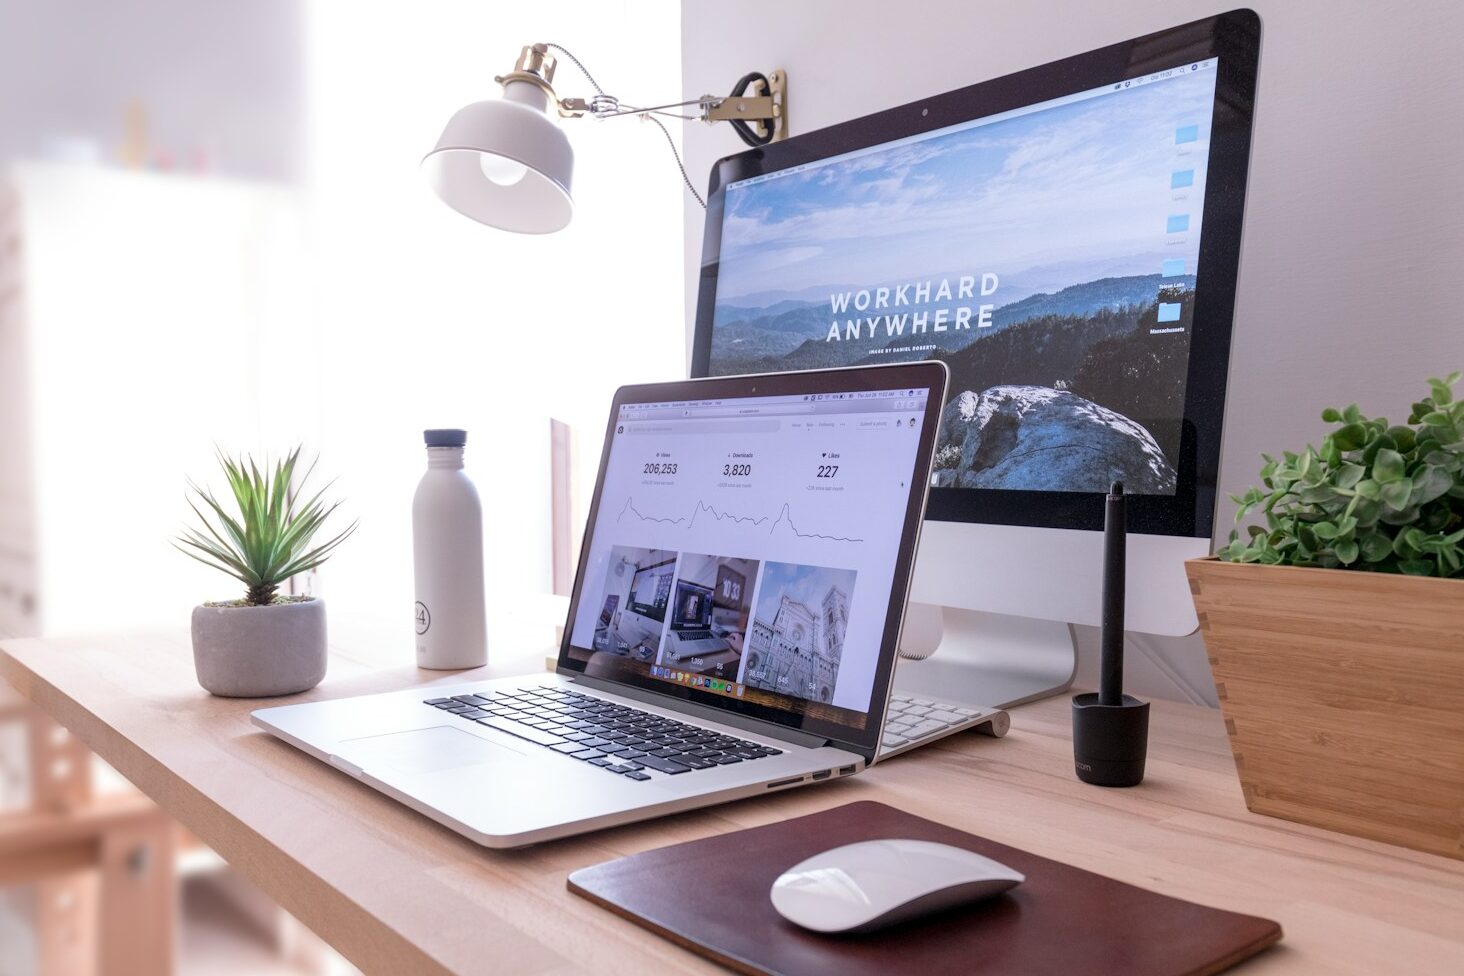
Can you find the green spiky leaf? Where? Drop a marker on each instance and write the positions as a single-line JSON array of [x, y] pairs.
[[267, 537]]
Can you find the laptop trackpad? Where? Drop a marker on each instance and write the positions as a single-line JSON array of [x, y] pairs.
[[426, 750]]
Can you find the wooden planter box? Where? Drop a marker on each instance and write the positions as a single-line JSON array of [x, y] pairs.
[[1343, 693]]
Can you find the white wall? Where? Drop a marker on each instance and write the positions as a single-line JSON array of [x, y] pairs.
[[1353, 225], [140, 289], [400, 313], [159, 318], [431, 320]]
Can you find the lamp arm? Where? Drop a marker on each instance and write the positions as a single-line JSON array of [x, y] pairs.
[[608, 107], [604, 105], [712, 108], [767, 110]]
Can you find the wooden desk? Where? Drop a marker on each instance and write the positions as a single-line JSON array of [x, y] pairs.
[[400, 895]]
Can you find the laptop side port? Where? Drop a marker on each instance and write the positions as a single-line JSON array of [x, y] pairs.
[[785, 782], [823, 774], [846, 770]]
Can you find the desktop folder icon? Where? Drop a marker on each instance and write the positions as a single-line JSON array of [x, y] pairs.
[[1173, 267], [1186, 133], [1181, 178], [1177, 224], [1168, 312]]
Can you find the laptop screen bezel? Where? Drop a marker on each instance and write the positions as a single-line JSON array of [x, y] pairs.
[[930, 376]]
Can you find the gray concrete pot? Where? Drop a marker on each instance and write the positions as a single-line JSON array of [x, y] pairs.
[[259, 652]]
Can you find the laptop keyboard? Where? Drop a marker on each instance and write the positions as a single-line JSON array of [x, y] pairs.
[[910, 719], [616, 738], [694, 635]]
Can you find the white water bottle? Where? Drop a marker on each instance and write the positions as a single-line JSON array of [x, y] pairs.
[[447, 559]]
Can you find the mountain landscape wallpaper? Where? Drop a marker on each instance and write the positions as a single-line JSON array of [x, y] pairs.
[[1048, 258]]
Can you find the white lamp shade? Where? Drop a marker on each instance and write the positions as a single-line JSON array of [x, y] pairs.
[[505, 163]]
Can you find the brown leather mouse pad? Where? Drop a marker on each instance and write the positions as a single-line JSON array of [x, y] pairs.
[[711, 896]]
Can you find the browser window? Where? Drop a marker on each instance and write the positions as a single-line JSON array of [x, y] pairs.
[[739, 548]]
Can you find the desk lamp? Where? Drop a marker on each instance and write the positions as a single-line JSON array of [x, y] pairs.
[[505, 162]]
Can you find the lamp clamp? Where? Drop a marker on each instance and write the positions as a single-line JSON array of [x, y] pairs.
[[768, 110]]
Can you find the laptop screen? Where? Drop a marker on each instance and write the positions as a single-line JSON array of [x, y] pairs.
[[746, 547], [693, 606]]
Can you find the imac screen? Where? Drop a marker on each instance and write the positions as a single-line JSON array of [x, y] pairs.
[[1047, 254]]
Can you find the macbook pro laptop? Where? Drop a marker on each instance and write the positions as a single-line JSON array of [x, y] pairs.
[[790, 506], [691, 634]]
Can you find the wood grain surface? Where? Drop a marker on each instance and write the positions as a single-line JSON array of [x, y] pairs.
[[1344, 695], [398, 894]]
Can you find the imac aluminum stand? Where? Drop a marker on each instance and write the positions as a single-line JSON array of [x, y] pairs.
[[983, 659]]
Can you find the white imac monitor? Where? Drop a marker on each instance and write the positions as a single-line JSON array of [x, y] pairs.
[[1066, 240]]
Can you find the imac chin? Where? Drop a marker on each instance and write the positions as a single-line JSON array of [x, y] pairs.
[[997, 603]]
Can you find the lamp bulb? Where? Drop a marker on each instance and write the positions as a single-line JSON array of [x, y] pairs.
[[500, 169]]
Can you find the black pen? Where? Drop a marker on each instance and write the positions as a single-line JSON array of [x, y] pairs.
[[1111, 729], [1110, 682]]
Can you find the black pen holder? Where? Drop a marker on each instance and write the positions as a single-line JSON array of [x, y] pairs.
[[1110, 742]]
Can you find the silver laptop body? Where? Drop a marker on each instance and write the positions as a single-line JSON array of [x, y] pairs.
[[733, 484]]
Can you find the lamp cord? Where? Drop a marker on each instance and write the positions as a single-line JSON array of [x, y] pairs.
[[679, 164], [583, 70], [691, 187]]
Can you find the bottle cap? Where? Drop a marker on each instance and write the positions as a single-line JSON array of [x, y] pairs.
[[445, 437]]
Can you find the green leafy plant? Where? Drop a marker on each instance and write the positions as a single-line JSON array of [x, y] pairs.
[[1374, 496], [269, 540]]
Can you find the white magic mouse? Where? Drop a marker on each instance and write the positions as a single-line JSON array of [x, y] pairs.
[[866, 886]]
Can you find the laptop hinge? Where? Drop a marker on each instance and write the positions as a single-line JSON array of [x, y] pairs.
[[769, 729]]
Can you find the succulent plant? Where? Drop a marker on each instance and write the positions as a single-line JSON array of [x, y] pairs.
[[1374, 496], [269, 539]]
